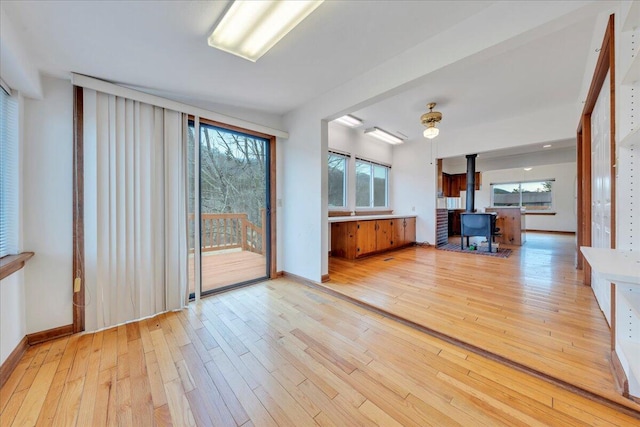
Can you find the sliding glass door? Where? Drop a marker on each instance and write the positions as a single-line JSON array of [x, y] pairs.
[[232, 169]]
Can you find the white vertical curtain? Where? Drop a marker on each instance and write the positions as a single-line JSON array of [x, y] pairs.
[[134, 209]]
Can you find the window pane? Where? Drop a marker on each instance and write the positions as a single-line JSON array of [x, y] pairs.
[[506, 194], [380, 186], [363, 184], [337, 175], [9, 163], [537, 195]]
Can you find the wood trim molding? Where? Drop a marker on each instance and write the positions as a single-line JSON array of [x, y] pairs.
[[325, 278], [579, 202], [12, 360], [273, 200], [298, 279], [619, 377], [49, 334], [604, 65], [78, 210], [11, 263]]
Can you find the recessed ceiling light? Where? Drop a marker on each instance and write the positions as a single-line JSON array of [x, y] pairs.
[[528, 169], [250, 28], [546, 146], [349, 120], [383, 135]]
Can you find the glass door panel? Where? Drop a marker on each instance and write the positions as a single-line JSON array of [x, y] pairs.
[[234, 210]]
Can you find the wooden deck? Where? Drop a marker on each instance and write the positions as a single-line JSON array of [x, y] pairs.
[[223, 268], [530, 308], [281, 354]]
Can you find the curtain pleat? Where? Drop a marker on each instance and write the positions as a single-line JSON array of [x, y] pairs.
[[135, 216]]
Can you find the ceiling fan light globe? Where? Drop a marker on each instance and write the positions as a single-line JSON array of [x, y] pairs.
[[431, 132]]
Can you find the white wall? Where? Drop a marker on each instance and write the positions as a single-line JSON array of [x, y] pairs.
[[414, 186], [564, 194], [48, 214], [304, 203], [353, 141]]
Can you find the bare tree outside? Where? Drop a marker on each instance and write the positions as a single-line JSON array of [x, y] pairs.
[[232, 175]]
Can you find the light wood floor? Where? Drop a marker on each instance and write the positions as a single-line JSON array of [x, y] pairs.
[[279, 353], [220, 269], [530, 308]]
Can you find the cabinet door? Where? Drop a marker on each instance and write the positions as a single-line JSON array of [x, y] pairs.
[[409, 230], [398, 232], [366, 238], [384, 234], [343, 242]]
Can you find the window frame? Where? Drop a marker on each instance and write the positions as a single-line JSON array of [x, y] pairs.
[[345, 181], [372, 165], [550, 209]]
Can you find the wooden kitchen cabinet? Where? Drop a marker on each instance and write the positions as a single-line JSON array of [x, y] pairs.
[[453, 184], [366, 237], [355, 239]]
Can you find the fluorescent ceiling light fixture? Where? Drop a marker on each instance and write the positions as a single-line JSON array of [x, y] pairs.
[[546, 146], [383, 135], [528, 169], [349, 120], [250, 28]]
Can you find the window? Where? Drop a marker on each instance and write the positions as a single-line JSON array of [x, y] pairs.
[[8, 174], [337, 180], [372, 182], [532, 195]]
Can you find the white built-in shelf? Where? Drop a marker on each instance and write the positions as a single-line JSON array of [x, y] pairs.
[[632, 21], [632, 75], [614, 265], [632, 299], [632, 139]]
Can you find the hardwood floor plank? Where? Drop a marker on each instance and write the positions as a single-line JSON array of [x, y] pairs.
[[124, 414], [36, 395], [10, 386], [156, 383], [178, 404], [167, 366], [50, 405], [12, 407], [216, 411]]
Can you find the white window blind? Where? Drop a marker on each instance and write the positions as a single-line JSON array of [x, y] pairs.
[[8, 174]]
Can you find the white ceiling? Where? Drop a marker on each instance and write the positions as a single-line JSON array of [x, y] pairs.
[[160, 47]]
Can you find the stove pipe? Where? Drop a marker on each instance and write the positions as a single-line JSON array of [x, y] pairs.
[[471, 182]]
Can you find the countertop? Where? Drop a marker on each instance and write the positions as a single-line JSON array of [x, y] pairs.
[[366, 217]]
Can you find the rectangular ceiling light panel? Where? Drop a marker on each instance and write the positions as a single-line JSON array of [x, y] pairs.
[[383, 136], [250, 28], [349, 120]]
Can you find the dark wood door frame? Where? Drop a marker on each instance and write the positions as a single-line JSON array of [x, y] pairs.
[[78, 211], [605, 64]]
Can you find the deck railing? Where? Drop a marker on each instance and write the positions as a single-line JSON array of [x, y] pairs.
[[229, 231]]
